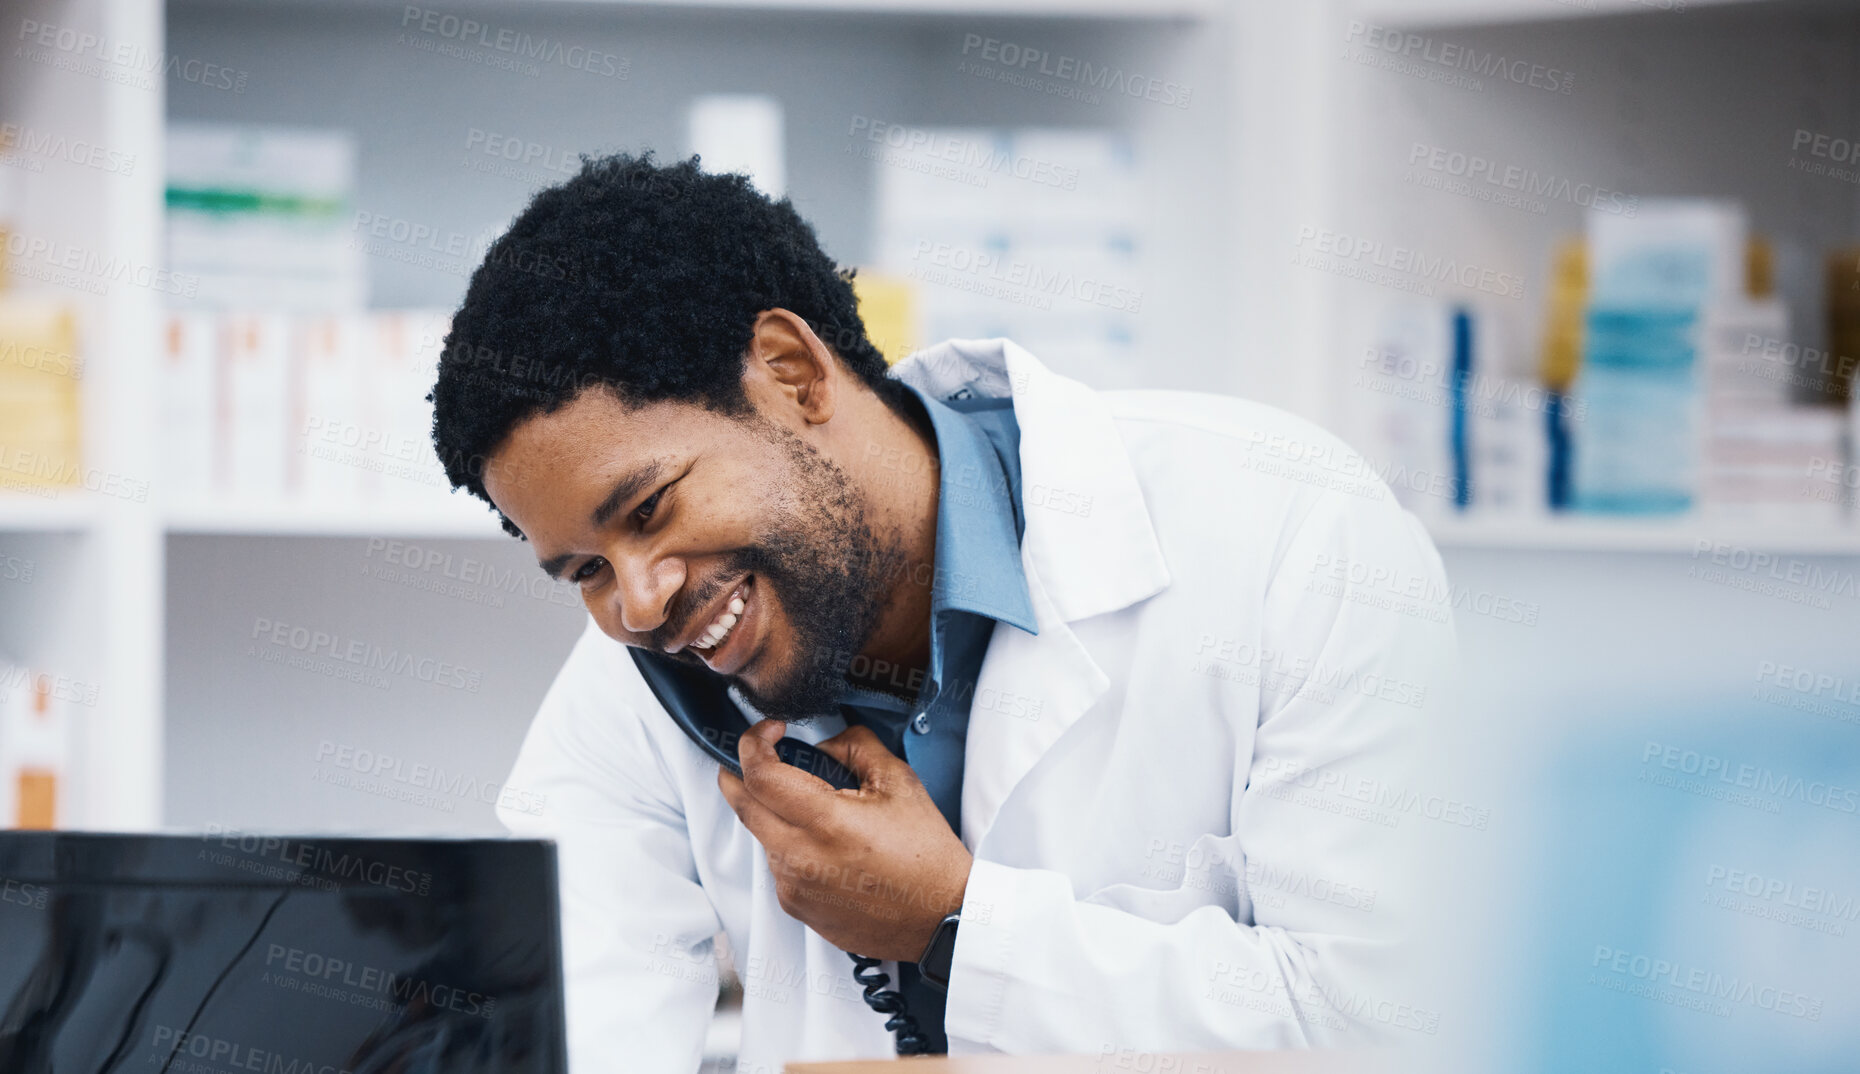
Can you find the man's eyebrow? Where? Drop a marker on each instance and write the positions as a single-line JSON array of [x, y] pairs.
[[625, 489], [554, 564], [629, 486]]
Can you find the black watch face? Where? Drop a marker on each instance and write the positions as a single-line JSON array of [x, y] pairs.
[[941, 952]]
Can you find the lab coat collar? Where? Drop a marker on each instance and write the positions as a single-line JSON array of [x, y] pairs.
[[1089, 549], [1088, 538]]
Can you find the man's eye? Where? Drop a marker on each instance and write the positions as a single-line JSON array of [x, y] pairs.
[[644, 511], [588, 570]]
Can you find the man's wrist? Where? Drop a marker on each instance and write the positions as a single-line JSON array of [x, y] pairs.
[[935, 906]]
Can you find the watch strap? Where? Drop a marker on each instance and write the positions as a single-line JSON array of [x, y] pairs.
[[939, 954]]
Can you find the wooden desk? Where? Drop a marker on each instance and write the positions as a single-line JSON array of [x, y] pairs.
[[1332, 1062]]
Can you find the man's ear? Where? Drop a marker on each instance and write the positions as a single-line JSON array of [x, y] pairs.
[[789, 371]]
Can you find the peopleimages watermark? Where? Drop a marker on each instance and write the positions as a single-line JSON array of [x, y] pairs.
[[1011, 279], [218, 1054], [1705, 985], [1769, 358], [1111, 1054], [84, 52], [418, 776], [24, 893], [31, 358], [21, 679], [1014, 64], [1421, 595], [512, 157], [974, 485], [1773, 898], [1739, 783], [481, 582], [1400, 267], [1335, 466], [396, 238], [444, 33], [1424, 380], [1444, 58], [1513, 185], [971, 158], [91, 271], [15, 569], [305, 863], [1819, 693], [327, 652], [46, 476], [1835, 481], [17, 139], [1264, 989], [1657, 5], [382, 451], [1212, 865], [1756, 571], [344, 980], [687, 958], [1314, 680], [1834, 157], [1370, 799]]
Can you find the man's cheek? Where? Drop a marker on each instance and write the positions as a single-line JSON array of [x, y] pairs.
[[781, 657]]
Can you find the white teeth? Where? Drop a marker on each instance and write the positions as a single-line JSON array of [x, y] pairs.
[[715, 633], [718, 630]]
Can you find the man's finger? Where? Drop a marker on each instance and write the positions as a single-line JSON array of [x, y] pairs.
[[758, 818], [860, 750], [798, 797]]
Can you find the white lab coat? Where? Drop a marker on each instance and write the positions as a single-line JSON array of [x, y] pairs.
[[1184, 795]]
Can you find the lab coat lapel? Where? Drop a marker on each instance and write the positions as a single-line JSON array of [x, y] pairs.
[[1032, 687], [1088, 549]]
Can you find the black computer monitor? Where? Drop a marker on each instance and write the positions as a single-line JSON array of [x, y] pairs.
[[229, 952]]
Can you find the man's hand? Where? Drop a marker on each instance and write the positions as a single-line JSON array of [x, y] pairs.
[[873, 870]]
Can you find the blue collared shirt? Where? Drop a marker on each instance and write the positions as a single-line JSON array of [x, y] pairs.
[[977, 582]]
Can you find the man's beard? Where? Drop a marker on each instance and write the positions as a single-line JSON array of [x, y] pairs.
[[833, 572]]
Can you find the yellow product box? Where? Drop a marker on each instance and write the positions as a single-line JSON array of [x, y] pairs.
[[40, 416], [888, 306]]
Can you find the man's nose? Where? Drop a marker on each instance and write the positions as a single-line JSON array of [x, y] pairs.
[[645, 590]]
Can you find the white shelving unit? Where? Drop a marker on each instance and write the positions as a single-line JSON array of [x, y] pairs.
[[1467, 13], [1681, 536], [103, 624], [468, 520], [25, 513]]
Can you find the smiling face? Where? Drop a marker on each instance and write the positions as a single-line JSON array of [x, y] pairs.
[[737, 542]]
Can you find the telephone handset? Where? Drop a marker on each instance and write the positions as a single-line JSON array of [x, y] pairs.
[[699, 703]]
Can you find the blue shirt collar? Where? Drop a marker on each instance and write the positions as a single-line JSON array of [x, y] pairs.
[[978, 567]]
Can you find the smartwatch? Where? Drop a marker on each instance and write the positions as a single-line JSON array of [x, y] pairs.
[[933, 965]]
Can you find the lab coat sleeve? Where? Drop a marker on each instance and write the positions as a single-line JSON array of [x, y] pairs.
[[637, 928], [1328, 957]]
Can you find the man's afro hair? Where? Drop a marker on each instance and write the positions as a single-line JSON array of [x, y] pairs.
[[640, 278]]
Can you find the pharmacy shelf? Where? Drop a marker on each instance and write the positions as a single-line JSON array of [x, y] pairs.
[[25, 513], [466, 519], [1130, 10], [1470, 13], [1068, 9], [1683, 536]]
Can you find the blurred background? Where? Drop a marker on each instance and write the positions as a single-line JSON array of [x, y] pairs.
[[1579, 278]]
